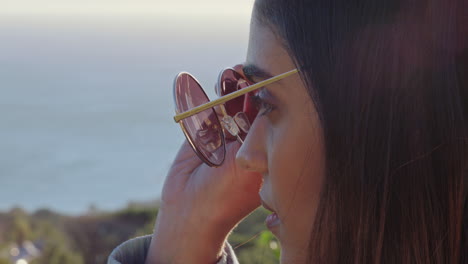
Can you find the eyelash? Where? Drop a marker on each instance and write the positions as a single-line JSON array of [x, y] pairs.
[[261, 104]]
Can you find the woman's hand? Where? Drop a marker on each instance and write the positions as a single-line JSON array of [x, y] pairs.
[[200, 206]]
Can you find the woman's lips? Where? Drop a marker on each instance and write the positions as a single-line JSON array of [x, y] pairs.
[[273, 219]]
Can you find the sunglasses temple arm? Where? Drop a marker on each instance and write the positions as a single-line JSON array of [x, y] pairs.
[[231, 96]]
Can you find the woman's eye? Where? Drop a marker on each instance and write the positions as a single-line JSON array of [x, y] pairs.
[[262, 107]]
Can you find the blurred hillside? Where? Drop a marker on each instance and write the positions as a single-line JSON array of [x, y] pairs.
[[45, 237]]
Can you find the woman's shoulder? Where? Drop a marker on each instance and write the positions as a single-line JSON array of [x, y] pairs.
[[134, 251], [131, 251]]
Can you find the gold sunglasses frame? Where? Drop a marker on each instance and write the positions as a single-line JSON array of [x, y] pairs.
[[227, 97]]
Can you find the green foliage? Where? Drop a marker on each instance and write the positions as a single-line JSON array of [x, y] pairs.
[[91, 238], [252, 243], [20, 229], [138, 213], [58, 254], [145, 215], [58, 248], [146, 229], [267, 239], [98, 234]]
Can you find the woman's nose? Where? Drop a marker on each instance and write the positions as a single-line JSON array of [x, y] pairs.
[[252, 154]]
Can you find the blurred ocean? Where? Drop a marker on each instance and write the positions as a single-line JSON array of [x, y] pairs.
[[86, 104]]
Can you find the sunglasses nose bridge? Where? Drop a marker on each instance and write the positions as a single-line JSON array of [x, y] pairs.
[[242, 121], [230, 125], [234, 125]]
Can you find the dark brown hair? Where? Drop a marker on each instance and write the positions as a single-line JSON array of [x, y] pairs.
[[389, 79]]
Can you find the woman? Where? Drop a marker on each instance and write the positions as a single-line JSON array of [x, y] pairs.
[[362, 155]]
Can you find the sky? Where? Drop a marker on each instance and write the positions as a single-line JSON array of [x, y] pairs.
[[87, 88], [125, 7]]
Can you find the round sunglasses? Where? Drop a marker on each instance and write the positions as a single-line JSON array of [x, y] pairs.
[[207, 125]]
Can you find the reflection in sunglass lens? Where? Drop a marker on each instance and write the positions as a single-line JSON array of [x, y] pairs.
[[232, 81], [229, 83]]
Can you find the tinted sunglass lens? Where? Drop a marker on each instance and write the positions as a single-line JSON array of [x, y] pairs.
[[232, 81], [203, 130]]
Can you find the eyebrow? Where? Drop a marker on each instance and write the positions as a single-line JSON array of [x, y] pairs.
[[252, 70]]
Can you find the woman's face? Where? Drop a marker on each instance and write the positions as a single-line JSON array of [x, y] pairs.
[[284, 144]]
